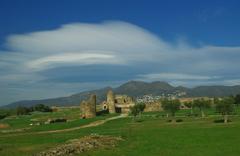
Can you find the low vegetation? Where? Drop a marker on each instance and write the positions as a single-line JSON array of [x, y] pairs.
[[193, 135], [27, 110]]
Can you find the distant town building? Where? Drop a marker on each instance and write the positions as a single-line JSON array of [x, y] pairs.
[[151, 98]]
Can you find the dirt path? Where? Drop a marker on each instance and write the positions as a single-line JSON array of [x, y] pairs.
[[93, 124]]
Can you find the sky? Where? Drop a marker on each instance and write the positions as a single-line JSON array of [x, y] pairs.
[[57, 48]]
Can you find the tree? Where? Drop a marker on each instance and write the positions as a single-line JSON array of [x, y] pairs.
[[4, 113], [165, 104], [42, 108], [225, 107], [202, 104], [141, 106], [137, 109], [189, 104], [171, 106], [23, 110], [237, 99], [216, 100], [134, 111]]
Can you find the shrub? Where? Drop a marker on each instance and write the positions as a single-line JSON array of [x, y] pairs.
[[137, 109], [50, 121], [60, 120], [102, 112], [2, 116], [225, 107], [179, 120], [171, 106], [23, 110], [41, 108], [221, 121]]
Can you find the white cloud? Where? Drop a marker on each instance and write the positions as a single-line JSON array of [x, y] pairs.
[[174, 76], [73, 58], [232, 82], [123, 40], [81, 44], [112, 43]]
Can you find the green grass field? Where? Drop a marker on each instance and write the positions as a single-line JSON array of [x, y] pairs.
[[153, 136]]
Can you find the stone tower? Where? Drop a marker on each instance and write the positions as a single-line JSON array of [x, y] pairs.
[[88, 108], [111, 102]]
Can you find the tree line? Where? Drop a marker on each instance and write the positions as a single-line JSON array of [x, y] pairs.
[[21, 110], [224, 106], [39, 107]]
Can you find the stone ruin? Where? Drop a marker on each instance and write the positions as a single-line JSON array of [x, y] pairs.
[[113, 104], [110, 102], [153, 106], [88, 108], [117, 103]]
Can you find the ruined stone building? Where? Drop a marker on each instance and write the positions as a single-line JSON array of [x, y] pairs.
[[117, 103], [110, 104], [122, 104], [153, 106], [88, 108]]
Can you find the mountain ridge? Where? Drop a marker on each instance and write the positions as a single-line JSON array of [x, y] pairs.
[[134, 89]]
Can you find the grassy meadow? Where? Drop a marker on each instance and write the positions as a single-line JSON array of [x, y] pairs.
[[151, 136]]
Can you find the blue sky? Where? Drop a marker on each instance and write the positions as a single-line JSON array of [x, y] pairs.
[[56, 48]]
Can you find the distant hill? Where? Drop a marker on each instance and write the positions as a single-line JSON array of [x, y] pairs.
[[134, 89]]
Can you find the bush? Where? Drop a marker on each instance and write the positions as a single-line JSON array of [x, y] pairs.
[[137, 109], [50, 121], [102, 112], [23, 110], [221, 121], [179, 120], [60, 120], [2, 116], [4, 113], [41, 108]]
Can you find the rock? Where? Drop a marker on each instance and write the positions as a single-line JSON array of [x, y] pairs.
[[77, 146]]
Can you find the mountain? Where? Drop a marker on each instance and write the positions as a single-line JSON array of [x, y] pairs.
[[135, 89], [138, 88], [72, 100], [214, 91]]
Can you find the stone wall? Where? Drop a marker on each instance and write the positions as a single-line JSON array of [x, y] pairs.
[[111, 102], [88, 108], [153, 107]]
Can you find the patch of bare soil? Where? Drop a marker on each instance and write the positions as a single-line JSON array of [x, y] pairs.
[[2, 126], [78, 146]]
